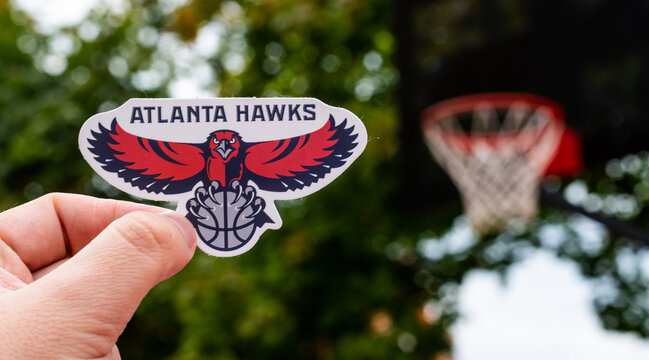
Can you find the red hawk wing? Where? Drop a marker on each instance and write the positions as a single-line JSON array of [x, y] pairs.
[[291, 164], [150, 165]]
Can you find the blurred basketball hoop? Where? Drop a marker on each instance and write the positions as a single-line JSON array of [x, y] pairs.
[[497, 147]]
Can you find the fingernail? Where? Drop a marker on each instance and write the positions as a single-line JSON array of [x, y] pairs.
[[183, 224]]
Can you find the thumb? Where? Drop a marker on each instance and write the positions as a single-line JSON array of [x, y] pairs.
[[84, 304]]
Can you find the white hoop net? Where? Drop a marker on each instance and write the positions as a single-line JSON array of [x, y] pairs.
[[497, 163]]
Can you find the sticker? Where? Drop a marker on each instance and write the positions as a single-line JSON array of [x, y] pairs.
[[224, 160]]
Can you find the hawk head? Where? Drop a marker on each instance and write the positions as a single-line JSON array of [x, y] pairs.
[[224, 145]]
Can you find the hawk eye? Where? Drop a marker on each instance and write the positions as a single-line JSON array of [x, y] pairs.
[[233, 140], [214, 140]]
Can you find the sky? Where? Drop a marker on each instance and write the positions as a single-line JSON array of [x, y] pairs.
[[543, 310]]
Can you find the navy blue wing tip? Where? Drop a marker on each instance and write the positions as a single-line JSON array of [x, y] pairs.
[[263, 219], [112, 128], [343, 147]]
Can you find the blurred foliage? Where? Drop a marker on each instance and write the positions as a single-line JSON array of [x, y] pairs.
[[348, 276]]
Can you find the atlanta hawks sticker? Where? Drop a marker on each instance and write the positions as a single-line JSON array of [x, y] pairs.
[[224, 160]]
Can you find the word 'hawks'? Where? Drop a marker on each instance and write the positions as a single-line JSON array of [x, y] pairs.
[[225, 210]]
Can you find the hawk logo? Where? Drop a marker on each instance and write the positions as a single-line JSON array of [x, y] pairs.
[[227, 182]]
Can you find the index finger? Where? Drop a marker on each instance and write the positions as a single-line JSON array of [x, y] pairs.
[[56, 226]]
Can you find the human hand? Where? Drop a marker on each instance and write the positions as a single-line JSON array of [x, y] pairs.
[[73, 269]]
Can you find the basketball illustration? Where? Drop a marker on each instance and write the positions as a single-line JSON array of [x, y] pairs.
[[225, 218]]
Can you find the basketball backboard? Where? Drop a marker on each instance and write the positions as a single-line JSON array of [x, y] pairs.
[[590, 57]]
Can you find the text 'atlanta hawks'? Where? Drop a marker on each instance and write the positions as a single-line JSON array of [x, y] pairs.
[[217, 113]]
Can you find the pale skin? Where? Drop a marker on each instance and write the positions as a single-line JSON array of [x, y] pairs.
[[74, 268]]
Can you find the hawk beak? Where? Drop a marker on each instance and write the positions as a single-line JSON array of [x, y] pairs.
[[224, 149]]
